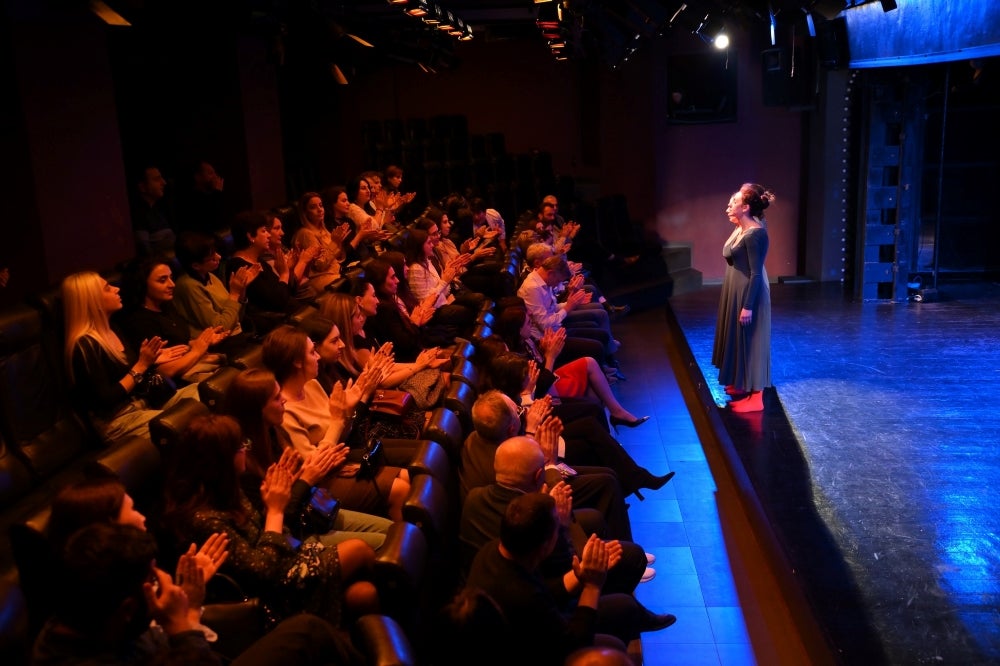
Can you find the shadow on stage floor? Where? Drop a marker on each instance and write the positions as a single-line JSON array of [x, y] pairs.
[[875, 463]]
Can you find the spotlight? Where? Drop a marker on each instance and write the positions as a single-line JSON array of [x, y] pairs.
[[721, 41]]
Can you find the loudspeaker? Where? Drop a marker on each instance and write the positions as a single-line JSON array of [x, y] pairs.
[[831, 41]]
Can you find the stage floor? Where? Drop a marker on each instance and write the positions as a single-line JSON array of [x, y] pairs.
[[877, 463]]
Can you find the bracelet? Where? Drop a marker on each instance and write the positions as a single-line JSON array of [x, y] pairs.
[[137, 377]]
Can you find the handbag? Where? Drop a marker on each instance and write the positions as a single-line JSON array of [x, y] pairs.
[[157, 390], [391, 402], [319, 514], [372, 460]]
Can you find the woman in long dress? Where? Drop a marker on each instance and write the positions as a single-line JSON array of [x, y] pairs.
[[742, 350]]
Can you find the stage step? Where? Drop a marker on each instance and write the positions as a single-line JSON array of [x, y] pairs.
[[655, 280]]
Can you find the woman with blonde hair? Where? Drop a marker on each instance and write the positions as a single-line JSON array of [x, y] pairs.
[[116, 385]]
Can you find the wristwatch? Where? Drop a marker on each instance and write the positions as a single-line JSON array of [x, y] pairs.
[[137, 377]]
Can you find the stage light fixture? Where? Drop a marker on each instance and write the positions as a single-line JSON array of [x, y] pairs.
[[338, 75], [433, 17], [447, 21], [888, 5], [466, 34], [108, 15], [418, 8]]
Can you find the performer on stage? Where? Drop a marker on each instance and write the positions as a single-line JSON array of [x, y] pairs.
[[742, 350]]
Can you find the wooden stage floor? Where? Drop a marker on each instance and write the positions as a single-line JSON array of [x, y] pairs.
[[877, 463]]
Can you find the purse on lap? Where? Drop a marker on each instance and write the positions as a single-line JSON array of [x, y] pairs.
[[391, 402]]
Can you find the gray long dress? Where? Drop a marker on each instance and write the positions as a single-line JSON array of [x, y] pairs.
[[743, 353]]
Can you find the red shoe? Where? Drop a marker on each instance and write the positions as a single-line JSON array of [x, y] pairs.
[[752, 403], [732, 390]]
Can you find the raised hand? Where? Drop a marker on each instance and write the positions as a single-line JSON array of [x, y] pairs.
[[168, 354], [191, 578], [532, 379], [241, 279], [167, 603], [552, 343], [537, 412], [592, 567], [276, 488], [322, 462], [548, 438], [149, 350], [563, 495], [212, 554], [614, 552]]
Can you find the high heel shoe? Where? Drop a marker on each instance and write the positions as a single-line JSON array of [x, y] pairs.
[[615, 422], [652, 483]]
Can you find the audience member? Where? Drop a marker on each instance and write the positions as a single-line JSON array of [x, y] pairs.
[[152, 220], [324, 267], [149, 289], [549, 621], [254, 399], [200, 297], [495, 418], [269, 297], [315, 419], [520, 468], [111, 381]]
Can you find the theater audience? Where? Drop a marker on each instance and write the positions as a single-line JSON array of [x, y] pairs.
[[204, 496], [114, 606]]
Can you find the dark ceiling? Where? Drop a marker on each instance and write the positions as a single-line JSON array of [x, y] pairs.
[[320, 31]]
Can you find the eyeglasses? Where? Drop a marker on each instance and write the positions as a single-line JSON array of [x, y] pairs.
[[246, 445]]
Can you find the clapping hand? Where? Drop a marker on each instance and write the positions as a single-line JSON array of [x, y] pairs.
[[149, 351], [168, 354], [322, 462], [562, 493], [548, 438], [531, 380], [539, 411], [428, 358], [276, 489], [167, 603], [592, 568], [191, 578], [212, 554], [241, 279], [551, 345]]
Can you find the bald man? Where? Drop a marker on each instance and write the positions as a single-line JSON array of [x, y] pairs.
[[520, 468], [495, 418]]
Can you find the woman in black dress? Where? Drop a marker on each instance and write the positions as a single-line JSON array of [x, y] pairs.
[[742, 350]]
